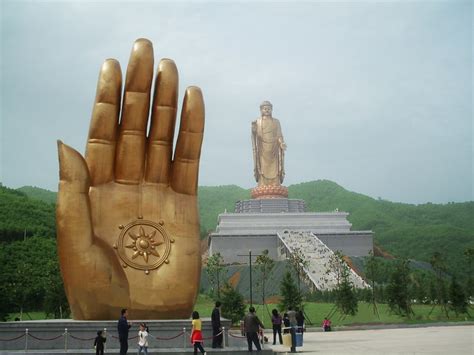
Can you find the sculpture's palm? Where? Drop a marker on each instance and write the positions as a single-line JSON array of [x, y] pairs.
[[127, 218]]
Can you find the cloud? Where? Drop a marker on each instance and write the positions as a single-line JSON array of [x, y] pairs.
[[376, 96]]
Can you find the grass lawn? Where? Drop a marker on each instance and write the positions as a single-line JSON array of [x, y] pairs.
[[28, 316], [316, 312]]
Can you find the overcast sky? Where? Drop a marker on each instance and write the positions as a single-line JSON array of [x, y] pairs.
[[376, 96]]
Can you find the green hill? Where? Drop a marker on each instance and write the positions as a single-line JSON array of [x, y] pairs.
[[38, 193], [404, 230], [22, 216], [216, 199]]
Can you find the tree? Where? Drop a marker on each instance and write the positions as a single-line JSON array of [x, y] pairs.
[[458, 297], [398, 290], [298, 261], [214, 269], [346, 298], [432, 293], [469, 256], [291, 295], [55, 301], [420, 287], [372, 268], [265, 265], [24, 264], [233, 306], [439, 267]]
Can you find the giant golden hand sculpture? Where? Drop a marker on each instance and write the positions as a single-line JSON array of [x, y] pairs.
[[127, 215]]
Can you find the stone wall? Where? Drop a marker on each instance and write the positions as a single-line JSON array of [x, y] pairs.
[[271, 205], [230, 247], [237, 233], [50, 334]]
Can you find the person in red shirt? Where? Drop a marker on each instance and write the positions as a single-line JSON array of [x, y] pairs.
[[326, 325]]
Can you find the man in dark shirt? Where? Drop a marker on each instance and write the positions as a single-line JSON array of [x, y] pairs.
[[251, 325], [123, 326], [299, 319], [216, 326]]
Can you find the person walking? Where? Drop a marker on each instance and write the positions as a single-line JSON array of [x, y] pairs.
[[196, 334], [123, 326], [216, 326], [276, 323], [251, 326], [143, 339]]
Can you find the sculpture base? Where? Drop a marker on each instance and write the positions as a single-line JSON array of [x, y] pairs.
[[269, 191], [69, 334], [270, 205]]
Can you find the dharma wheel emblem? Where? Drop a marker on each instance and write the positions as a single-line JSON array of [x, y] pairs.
[[143, 245]]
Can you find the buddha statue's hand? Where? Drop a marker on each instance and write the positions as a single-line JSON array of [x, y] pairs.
[[127, 215], [282, 144]]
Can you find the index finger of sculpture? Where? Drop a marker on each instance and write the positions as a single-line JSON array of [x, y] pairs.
[[100, 149], [188, 147], [163, 118], [130, 152]]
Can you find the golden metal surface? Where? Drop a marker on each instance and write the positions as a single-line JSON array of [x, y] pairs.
[[127, 214], [268, 148]]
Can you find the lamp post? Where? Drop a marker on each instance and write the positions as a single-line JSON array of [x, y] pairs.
[[250, 272]]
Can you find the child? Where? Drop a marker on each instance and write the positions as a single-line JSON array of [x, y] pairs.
[[143, 339], [326, 325], [99, 343], [196, 335], [286, 323]]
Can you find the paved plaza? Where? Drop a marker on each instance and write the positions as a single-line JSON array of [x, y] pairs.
[[429, 340]]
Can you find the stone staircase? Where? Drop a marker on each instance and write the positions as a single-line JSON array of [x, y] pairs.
[[317, 257]]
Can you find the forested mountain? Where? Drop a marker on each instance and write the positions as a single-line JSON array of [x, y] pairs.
[[22, 216], [38, 193], [216, 199], [404, 230], [30, 278]]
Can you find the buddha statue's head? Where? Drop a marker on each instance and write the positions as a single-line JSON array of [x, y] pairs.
[[266, 109]]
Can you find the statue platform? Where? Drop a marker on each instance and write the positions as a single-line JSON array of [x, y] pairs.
[[57, 335], [270, 205], [257, 225], [269, 192]]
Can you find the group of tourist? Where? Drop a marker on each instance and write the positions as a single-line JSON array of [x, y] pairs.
[[124, 326], [196, 333], [292, 322]]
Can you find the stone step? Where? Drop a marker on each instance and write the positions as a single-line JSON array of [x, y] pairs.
[[318, 257]]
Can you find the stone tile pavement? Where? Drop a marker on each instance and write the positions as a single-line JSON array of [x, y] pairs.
[[450, 340]]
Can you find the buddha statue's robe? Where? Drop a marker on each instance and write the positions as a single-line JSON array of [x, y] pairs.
[[268, 151]]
